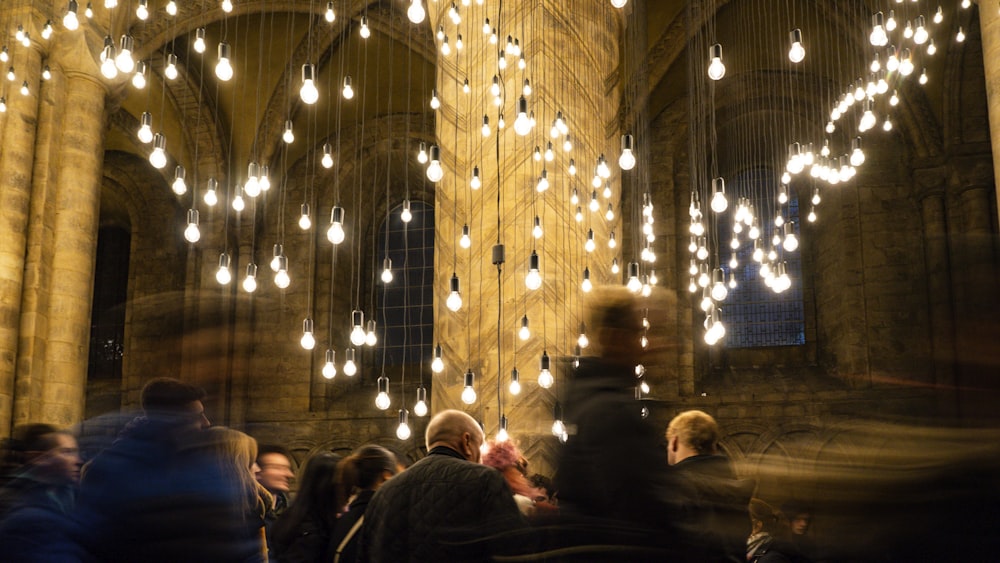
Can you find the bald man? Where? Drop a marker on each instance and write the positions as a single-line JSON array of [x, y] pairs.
[[446, 505]]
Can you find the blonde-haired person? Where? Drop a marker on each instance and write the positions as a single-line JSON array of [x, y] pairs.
[[234, 456]]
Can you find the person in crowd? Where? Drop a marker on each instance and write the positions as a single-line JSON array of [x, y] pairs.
[[302, 532], [359, 476], [800, 516], [42, 469], [234, 455], [714, 499], [611, 472], [768, 540], [445, 507], [155, 494], [506, 458], [275, 475]]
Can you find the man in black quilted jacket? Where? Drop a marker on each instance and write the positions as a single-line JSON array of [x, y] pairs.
[[447, 506]]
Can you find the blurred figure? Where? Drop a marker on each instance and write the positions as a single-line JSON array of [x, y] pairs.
[[768, 540], [506, 458], [41, 471], [714, 499], [800, 523], [275, 475], [446, 506], [302, 532], [611, 467], [234, 454], [359, 476], [158, 494]]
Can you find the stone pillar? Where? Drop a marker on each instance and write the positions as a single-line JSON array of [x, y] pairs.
[[77, 202], [937, 261], [989, 24], [571, 50], [18, 127]]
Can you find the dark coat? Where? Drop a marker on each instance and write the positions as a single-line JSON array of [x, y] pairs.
[[354, 513], [149, 498], [715, 505], [35, 524], [443, 508]]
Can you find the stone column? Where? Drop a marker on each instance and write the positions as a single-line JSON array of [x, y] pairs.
[[571, 51], [937, 261], [18, 128], [989, 24], [77, 202]]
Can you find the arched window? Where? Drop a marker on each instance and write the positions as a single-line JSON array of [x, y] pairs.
[[406, 304], [756, 316]]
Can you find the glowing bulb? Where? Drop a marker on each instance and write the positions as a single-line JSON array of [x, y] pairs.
[[796, 52], [179, 186], [250, 281], [406, 215], [227, 6], [223, 275], [348, 90], [223, 69], [171, 8], [466, 240], [960, 36], [308, 92], [305, 221], [329, 15], [371, 338], [288, 136], [139, 78], [192, 234], [382, 400], [515, 383], [434, 171], [199, 40], [878, 36], [387, 271], [524, 332], [416, 12], [716, 69], [469, 393], [437, 365], [420, 409], [108, 68], [335, 234], [70, 20], [158, 158], [614, 266], [329, 368], [403, 430], [327, 160], [476, 182], [454, 300], [350, 368]]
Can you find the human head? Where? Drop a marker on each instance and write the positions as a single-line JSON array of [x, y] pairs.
[[799, 517], [235, 454], [765, 518], [171, 399], [275, 464], [689, 434], [615, 324], [458, 431], [365, 470], [502, 455], [51, 454]]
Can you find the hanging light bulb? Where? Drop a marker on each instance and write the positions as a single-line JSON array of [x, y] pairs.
[[250, 282], [288, 136], [223, 275], [719, 291], [894, 99], [543, 181], [931, 48], [572, 169], [522, 124], [278, 252], [191, 233], [469, 393], [281, 278], [406, 215], [586, 285], [920, 34], [857, 155], [139, 78], [227, 6], [211, 197], [350, 367], [476, 182], [502, 435], [403, 430], [533, 280], [716, 69], [545, 379], [796, 52], [906, 62], [386, 270], [108, 68], [579, 214], [124, 60], [536, 230], [327, 160], [582, 341], [420, 409], [465, 241], [454, 301], [719, 202], [434, 170], [347, 91], [47, 28], [422, 153], [633, 284], [329, 366], [145, 132], [199, 40], [515, 382], [305, 221], [612, 242], [238, 203], [887, 124], [590, 245], [308, 92], [335, 234], [960, 36], [371, 339], [437, 364], [524, 333], [70, 20], [486, 126], [179, 186], [878, 36], [357, 327], [171, 8], [923, 77], [416, 12], [614, 266], [158, 158], [330, 16], [223, 68], [382, 398], [627, 159]]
